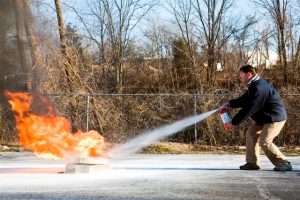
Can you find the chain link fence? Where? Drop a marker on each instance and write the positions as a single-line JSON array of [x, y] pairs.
[[119, 117]]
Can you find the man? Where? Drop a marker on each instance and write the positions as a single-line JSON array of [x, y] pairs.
[[262, 103]]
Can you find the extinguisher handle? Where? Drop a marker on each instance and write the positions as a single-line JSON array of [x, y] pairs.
[[225, 105]]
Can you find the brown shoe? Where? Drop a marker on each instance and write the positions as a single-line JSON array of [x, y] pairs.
[[284, 166], [249, 166]]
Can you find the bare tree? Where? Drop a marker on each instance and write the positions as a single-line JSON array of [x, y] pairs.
[[297, 54], [215, 26], [24, 53], [72, 77], [277, 9], [115, 22], [211, 14], [98, 11], [70, 69], [93, 21], [122, 17], [37, 63], [158, 47], [182, 11], [183, 14], [61, 27]]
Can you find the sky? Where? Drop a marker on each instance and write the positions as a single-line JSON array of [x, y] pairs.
[[242, 7], [159, 16]]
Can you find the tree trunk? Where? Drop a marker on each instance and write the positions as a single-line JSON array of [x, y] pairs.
[[35, 55], [61, 29], [210, 66], [60, 26], [25, 60], [297, 58], [284, 58], [280, 15], [297, 55], [73, 102], [119, 66]]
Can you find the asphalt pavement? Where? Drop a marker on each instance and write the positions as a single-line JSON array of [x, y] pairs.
[[164, 176]]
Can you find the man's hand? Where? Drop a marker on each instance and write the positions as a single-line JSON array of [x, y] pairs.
[[225, 105], [228, 127]]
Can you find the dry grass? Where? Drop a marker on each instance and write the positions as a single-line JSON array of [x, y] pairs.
[[179, 148]]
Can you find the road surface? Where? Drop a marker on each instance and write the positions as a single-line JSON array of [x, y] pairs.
[[184, 176]]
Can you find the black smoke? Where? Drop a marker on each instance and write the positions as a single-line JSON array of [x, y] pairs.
[[15, 51]]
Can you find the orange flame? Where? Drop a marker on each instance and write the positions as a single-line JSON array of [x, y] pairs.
[[50, 135]]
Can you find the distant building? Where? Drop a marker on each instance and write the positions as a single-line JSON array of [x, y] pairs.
[[219, 66], [258, 58]]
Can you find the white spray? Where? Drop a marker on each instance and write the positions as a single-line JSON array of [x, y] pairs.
[[145, 139]]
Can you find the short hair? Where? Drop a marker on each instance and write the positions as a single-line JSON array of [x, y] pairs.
[[248, 68]]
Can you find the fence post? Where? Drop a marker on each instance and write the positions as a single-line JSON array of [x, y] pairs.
[[87, 112], [195, 113]]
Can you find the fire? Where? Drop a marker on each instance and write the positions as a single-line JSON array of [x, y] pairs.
[[49, 135]]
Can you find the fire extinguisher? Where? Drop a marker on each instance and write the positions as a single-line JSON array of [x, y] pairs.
[[226, 119]]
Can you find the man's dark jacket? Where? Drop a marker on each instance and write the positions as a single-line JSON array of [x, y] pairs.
[[261, 102]]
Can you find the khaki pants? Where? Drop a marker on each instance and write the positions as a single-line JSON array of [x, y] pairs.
[[263, 136]]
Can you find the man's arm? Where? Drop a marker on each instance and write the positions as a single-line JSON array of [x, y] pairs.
[[256, 101], [239, 102]]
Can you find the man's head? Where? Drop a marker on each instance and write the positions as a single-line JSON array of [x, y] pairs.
[[247, 72]]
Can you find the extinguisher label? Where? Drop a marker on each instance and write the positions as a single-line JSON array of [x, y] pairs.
[[225, 117]]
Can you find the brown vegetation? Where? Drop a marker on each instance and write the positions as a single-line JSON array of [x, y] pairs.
[[88, 87]]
